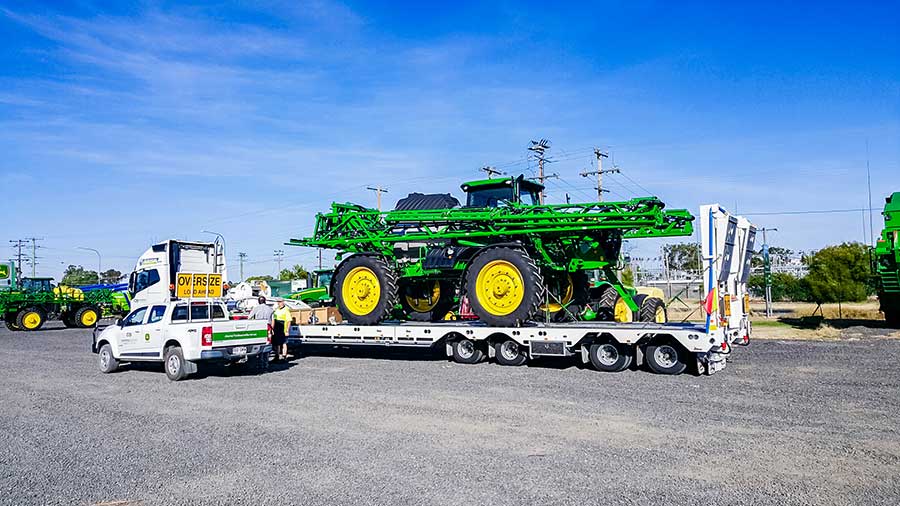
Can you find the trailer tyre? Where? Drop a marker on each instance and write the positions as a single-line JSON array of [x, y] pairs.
[[107, 361], [31, 319], [510, 352], [665, 358], [611, 357], [174, 363], [504, 286], [466, 351], [365, 289]]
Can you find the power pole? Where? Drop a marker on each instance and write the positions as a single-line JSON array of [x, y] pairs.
[[491, 171], [241, 257], [539, 148], [320, 258], [34, 257], [18, 243], [599, 173], [767, 270], [378, 190], [869, 182], [279, 255]]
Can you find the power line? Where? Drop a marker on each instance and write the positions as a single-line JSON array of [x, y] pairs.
[[817, 211]]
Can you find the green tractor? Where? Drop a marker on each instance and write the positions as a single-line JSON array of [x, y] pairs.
[[318, 293], [887, 261], [31, 302], [503, 254]]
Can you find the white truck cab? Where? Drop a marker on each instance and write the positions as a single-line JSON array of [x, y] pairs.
[[158, 270], [182, 333]]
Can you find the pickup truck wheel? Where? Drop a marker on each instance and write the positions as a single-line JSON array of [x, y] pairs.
[[665, 358], [174, 364], [260, 363], [610, 357], [510, 352], [108, 362], [466, 351]]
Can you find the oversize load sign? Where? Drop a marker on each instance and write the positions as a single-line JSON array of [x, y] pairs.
[[198, 285]]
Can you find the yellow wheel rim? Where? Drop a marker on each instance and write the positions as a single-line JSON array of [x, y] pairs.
[[567, 297], [361, 291], [89, 318], [32, 320], [623, 313], [424, 305], [500, 287], [660, 315]]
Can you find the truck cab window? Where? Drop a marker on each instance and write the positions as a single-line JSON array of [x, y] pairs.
[[146, 279], [218, 312], [199, 311], [135, 318], [156, 314]]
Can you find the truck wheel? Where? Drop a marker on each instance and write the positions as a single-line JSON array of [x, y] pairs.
[[427, 301], [610, 357], [466, 351], [365, 289], [11, 325], [653, 309], [510, 352], [31, 319], [504, 287], [87, 317], [108, 362], [174, 363], [665, 358]]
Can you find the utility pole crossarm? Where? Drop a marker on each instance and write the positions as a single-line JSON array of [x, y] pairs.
[[378, 191]]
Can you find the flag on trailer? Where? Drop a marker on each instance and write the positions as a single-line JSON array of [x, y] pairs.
[[711, 305]]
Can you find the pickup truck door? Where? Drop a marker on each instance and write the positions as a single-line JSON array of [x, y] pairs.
[[129, 334], [153, 331]]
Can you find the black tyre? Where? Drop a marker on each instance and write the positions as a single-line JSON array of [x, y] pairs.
[[68, 320], [31, 319], [573, 297], [611, 357], [466, 351], [87, 317], [892, 318], [606, 303], [665, 358], [11, 325], [365, 289], [653, 309], [260, 363], [510, 352], [173, 362], [106, 360], [504, 287], [427, 301]]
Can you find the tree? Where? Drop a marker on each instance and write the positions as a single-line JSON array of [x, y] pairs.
[[110, 277], [683, 257], [785, 287], [261, 278], [295, 272], [840, 273], [75, 275], [777, 256]]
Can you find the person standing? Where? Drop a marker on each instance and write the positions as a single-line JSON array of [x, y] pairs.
[[282, 317], [263, 311]]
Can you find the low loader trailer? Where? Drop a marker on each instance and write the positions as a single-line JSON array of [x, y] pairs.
[[666, 348]]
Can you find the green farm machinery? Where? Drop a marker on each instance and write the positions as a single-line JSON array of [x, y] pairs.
[[33, 301], [318, 291], [887, 261], [503, 254]]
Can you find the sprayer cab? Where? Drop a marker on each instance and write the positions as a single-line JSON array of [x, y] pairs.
[[503, 191]]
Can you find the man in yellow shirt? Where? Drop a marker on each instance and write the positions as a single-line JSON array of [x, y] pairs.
[[282, 317]]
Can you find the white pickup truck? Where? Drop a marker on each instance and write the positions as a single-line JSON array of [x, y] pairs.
[[182, 333]]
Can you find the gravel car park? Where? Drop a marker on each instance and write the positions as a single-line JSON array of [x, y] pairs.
[[788, 422]]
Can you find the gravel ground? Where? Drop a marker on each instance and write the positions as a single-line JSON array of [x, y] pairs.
[[788, 422]]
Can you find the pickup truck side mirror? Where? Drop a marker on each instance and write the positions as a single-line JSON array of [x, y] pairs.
[[119, 322]]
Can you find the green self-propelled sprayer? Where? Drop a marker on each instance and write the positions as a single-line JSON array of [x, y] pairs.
[[511, 257], [887, 261]]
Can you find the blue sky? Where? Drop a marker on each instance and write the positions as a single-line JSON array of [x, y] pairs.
[[122, 126]]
